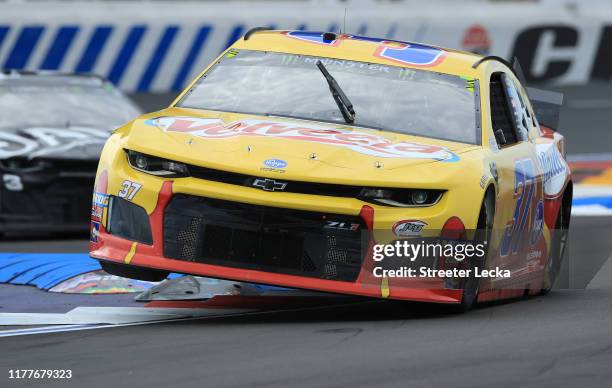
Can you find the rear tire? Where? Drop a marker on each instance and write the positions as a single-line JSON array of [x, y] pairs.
[[133, 272], [558, 244]]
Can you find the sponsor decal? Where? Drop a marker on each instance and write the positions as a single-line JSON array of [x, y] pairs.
[[269, 184], [97, 212], [534, 255], [406, 53], [554, 168], [408, 228], [232, 53], [476, 40], [98, 206], [95, 232], [410, 53], [483, 181], [350, 226], [275, 163], [100, 199], [361, 142], [538, 223]]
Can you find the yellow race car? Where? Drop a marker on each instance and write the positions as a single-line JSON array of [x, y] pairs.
[[295, 155]]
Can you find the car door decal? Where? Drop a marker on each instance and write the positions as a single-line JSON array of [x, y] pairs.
[[526, 187]]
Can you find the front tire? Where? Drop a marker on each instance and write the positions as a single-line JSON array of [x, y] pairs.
[[484, 230]]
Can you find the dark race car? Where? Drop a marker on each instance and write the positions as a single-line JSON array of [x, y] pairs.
[[51, 135]]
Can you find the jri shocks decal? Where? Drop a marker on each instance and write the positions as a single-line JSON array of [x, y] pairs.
[[408, 228], [362, 142]]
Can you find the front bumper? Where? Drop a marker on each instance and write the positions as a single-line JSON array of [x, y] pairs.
[[223, 231], [54, 201]]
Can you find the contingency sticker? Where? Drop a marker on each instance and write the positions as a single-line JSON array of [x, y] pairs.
[[99, 206], [469, 83]]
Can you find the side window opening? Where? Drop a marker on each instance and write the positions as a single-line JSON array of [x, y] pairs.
[[527, 108], [523, 108], [517, 107], [533, 118], [501, 115]]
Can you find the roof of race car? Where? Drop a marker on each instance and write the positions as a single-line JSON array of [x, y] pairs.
[[49, 78], [361, 48]]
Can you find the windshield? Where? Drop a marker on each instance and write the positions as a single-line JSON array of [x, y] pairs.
[[32, 103], [390, 98]]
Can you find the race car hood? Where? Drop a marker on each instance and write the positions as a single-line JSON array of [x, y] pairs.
[[52, 142], [298, 149]]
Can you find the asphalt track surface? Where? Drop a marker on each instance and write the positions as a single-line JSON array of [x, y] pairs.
[[563, 339]]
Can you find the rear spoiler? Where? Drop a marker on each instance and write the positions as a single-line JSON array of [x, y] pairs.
[[545, 103], [547, 106]]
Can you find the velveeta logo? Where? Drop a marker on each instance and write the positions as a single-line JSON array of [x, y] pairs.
[[361, 142]]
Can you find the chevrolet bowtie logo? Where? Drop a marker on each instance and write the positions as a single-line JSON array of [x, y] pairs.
[[269, 184]]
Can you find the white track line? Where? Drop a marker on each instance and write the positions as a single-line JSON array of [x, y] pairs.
[[602, 277], [594, 157], [111, 315], [582, 190], [67, 328], [591, 211]]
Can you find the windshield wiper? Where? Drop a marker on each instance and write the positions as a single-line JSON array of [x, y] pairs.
[[343, 102]]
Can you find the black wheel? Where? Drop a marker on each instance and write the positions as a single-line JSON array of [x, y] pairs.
[[133, 272], [558, 245], [483, 234]]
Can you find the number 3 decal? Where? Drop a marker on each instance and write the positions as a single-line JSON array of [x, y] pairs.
[[129, 190]]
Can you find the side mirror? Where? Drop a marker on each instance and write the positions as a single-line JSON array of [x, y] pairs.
[[499, 136]]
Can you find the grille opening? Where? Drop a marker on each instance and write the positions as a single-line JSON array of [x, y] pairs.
[[263, 238]]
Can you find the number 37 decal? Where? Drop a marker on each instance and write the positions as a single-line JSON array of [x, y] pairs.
[[129, 190], [528, 216]]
